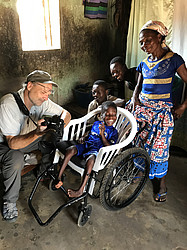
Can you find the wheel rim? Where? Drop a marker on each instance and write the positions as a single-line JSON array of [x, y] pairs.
[[84, 215], [125, 182]]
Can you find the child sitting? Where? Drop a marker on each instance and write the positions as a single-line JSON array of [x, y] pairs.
[[100, 95], [102, 134]]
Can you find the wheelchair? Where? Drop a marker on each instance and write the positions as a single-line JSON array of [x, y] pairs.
[[118, 175]]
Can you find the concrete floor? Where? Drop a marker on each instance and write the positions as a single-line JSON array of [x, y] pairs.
[[143, 225]]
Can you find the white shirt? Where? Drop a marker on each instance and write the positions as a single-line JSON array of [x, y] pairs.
[[13, 122]]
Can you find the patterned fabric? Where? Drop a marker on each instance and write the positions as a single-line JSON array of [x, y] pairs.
[[154, 117], [156, 25], [95, 8], [158, 76], [94, 141], [155, 123]]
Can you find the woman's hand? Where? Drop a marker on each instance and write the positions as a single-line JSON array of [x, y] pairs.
[[178, 112], [134, 103], [135, 98]]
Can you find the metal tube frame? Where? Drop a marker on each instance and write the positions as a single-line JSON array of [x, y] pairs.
[[58, 210]]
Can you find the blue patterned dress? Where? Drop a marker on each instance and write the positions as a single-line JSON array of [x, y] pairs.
[[154, 115]]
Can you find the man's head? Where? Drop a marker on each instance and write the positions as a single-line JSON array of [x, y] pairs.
[[40, 76], [118, 68], [100, 91], [109, 112], [39, 86]]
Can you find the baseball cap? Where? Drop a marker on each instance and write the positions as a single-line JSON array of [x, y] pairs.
[[40, 76]]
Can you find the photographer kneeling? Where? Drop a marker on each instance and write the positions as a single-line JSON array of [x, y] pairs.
[[21, 133]]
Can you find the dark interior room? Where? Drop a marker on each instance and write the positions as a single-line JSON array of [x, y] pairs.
[[74, 41]]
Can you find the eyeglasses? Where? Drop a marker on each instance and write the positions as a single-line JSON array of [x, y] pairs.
[[46, 89]]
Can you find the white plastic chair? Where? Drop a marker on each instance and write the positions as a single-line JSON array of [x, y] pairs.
[[121, 182], [126, 126]]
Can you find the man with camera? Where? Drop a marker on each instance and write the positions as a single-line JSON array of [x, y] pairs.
[[22, 130]]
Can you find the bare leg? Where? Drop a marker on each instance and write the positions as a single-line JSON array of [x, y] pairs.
[[161, 196], [163, 184], [89, 166], [70, 152]]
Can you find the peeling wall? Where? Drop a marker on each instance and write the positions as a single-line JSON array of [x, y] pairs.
[[87, 47]]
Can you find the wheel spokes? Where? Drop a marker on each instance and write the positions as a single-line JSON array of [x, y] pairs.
[[122, 178]]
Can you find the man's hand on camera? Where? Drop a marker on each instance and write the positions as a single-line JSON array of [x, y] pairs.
[[41, 129]]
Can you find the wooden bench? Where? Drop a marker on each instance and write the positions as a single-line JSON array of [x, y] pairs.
[[27, 169]]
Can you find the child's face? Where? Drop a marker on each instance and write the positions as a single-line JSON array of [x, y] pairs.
[[110, 116], [99, 94]]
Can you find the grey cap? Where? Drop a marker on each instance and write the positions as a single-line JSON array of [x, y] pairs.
[[40, 76]]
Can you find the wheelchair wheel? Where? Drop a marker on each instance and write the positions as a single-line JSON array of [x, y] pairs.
[[84, 215], [52, 184], [124, 178]]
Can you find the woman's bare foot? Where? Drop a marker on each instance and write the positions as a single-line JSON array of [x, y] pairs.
[[59, 184], [74, 193]]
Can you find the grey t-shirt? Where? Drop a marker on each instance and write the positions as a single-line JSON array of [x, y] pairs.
[[13, 122]]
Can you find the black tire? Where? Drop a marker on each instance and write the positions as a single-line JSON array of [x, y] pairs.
[[123, 180], [52, 184], [84, 215], [55, 181]]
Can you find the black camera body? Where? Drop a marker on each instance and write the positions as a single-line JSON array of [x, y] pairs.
[[53, 135], [54, 123]]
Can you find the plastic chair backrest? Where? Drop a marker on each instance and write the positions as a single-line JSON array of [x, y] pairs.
[[125, 124], [127, 128]]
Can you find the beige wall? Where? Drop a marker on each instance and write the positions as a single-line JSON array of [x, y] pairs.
[[87, 47]]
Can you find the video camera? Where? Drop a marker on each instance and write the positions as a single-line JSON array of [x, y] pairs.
[[55, 131], [54, 123]]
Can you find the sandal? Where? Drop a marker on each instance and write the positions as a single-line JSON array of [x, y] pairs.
[[59, 184], [160, 197]]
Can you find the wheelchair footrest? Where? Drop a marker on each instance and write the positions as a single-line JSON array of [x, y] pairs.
[[67, 204]]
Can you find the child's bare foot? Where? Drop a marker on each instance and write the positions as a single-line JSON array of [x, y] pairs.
[[59, 184], [137, 177], [74, 193]]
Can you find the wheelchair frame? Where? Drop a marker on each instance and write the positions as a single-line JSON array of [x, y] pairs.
[[127, 129]]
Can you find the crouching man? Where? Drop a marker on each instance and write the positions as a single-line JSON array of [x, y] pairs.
[[20, 134]]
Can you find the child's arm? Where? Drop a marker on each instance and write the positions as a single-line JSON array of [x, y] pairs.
[[102, 130], [83, 138], [86, 134]]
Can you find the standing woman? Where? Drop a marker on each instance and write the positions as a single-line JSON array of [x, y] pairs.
[[152, 100]]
